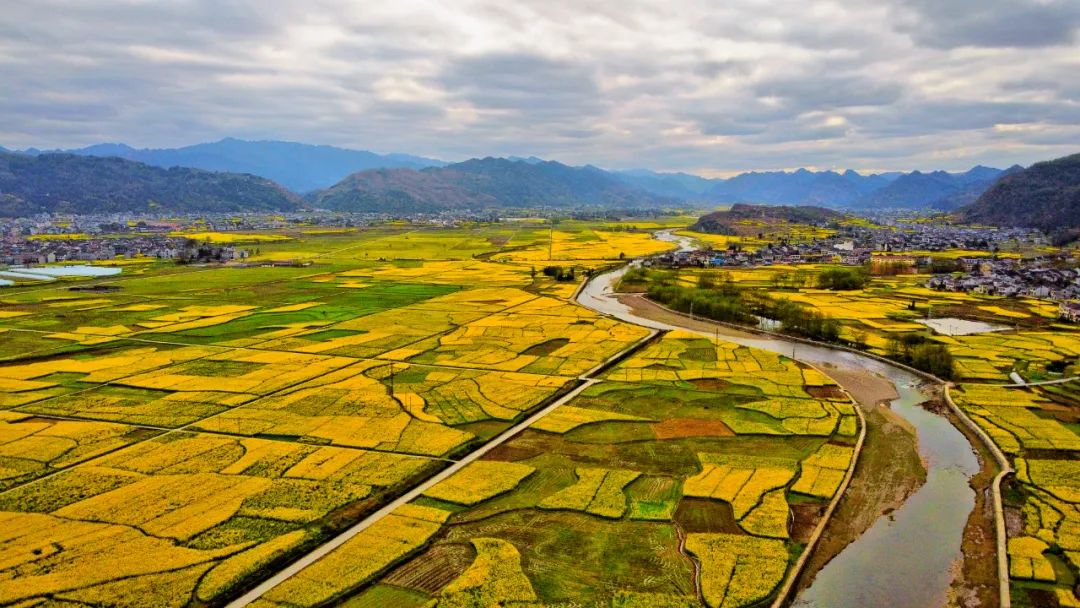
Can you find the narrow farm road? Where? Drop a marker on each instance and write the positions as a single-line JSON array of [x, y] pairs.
[[587, 380]]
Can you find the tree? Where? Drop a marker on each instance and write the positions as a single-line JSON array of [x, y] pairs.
[[843, 279]]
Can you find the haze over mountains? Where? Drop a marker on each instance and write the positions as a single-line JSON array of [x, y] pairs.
[[299, 167], [237, 175]]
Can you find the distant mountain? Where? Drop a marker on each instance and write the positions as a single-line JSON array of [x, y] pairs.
[[682, 186], [299, 167], [307, 168], [482, 183], [820, 188], [970, 192], [801, 187], [67, 183], [732, 221], [936, 189], [1045, 196]]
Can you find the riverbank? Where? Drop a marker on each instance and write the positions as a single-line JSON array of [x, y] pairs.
[[925, 535], [889, 469]]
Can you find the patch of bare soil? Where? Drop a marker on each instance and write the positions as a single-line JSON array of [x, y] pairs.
[[678, 428]]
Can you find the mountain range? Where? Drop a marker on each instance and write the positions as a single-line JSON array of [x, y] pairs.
[[298, 167], [305, 168], [237, 175], [483, 183]]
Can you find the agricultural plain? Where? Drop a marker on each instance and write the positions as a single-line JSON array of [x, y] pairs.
[[185, 432], [179, 432]]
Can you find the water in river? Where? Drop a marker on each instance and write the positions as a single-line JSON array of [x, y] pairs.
[[902, 561]]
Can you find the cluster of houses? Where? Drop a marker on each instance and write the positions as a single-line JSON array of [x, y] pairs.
[[17, 252], [1012, 278], [909, 247]]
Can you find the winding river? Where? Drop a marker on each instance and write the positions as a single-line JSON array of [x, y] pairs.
[[904, 560]]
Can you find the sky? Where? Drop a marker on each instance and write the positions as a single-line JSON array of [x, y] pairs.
[[711, 87]]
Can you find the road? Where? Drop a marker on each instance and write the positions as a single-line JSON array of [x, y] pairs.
[[587, 380]]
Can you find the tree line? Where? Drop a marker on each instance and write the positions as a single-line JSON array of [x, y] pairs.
[[715, 296]]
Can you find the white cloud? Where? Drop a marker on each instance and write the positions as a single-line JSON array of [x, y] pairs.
[[679, 85]]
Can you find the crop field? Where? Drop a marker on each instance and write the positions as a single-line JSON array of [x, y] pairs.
[[578, 243], [688, 452], [186, 430], [1039, 429], [888, 307]]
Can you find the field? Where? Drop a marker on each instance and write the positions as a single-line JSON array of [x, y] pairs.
[[888, 308], [1038, 428], [189, 429], [613, 498]]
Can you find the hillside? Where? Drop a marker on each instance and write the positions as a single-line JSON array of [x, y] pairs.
[[482, 183], [299, 167], [936, 189], [970, 192], [1045, 195], [728, 222], [66, 183]]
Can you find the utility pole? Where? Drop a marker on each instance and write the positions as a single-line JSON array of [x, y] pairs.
[[391, 379]]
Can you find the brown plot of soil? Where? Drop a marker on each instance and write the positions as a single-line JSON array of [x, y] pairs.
[[710, 384], [806, 517], [825, 392], [434, 569], [679, 428], [512, 453], [705, 515]]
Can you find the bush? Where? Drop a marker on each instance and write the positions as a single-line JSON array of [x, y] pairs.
[[916, 351], [843, 279]]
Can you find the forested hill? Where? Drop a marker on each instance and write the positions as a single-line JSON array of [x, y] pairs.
[[66, 183], [483, 183], [1045, 195], [726, 222]]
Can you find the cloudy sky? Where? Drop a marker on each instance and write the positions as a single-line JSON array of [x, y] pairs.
[[708, 87]]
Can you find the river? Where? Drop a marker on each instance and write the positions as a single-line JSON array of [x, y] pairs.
[[903, 560]]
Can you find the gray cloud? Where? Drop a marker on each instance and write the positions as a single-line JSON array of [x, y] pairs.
[[994, 23], [680, 85]]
